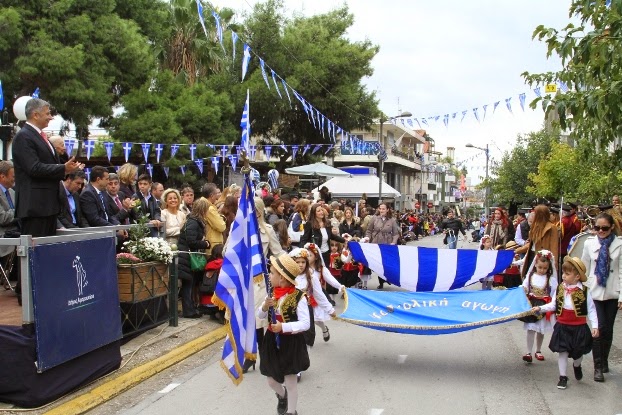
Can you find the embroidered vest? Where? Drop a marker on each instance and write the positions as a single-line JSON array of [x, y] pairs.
[[289, 306], [579, 299]]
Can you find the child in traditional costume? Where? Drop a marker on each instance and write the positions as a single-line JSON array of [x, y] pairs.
[[539, 285], [349, 269], [573, 306], [486, 245], [282, 361]]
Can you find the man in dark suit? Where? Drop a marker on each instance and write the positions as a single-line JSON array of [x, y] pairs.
[[37, 173], [8, 222], [69, 194], [93, 202], [116, 202], [148, 204]]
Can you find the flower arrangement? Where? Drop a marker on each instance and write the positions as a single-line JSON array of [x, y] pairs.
[[143, 248]]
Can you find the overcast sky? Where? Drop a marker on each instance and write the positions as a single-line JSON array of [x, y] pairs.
[[440, 57]]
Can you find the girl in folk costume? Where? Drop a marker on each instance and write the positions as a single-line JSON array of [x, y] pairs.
[[486, 245], [350, 269], [539, 285], [321, 273], [498, 228], [573, 306], [281, 363], [335, 263], [510, 277]]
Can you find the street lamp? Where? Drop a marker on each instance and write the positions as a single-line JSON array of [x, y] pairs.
[[485, 150], [380, 160]]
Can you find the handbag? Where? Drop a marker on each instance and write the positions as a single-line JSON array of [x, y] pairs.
[[294, 235], [197, 261]]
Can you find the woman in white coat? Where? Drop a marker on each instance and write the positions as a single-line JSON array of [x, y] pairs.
[[602, 256]]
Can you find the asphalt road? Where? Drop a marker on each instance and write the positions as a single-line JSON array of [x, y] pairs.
[[363, 371]]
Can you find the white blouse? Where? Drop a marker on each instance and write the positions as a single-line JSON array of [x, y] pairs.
[[302, 310]]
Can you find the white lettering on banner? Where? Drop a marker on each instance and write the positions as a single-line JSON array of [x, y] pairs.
[[484, 307], [407, 306], [80, 300]]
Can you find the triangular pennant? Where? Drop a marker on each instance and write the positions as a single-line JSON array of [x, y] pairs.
[[127, 148], [410, 123], [316, 149], [509, 104], [485, 107], [219, 30], [253, 152], [521, 99], [183, 170], [294, 151], [69, 146], [268, 151], [89, 145], [149, 168], [538, 92], [146, 147], [87, 173], [475, 112], [425, 122], [330, 147], [223, 151], [276, 86], [159, 148], [193, 149], [215, 163], [166, 170], [446, 120], [307, 147], [108, 145], [174, 148], [233, 159], [495, 105], [263, 72], [234, 40], [245, 60], [199, 163], [286, 92], [464, 113]]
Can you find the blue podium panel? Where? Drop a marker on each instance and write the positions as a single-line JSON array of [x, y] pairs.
[[75, 299]]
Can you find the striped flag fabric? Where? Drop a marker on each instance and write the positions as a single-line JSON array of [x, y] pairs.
[[246, 125], [243, 262], [430, 269]]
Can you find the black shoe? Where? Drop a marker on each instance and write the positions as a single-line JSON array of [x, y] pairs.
[[195, 315], [281, 407], [578, 372], [326, 334], [248, 364], [563, 382], [380, 286]]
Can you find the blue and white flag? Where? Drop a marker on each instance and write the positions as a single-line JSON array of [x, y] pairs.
[[35, 94], [234, 40], [268, 151], [246, 58], [316, 149], [538, 92], [87, 173], [275, 84], [494, 108], [246, 125], [233, 159], [201, 19], [433, 313], [484, 107], [475, 112], [430, 269], [174, 149], [243, 262], [307, 147], [509, 104], [89, 145], [108, 146], [69, 146], [146, 148], [183, 169], [127, 149], [199, 163], [215, 163], [1, 97], [521, 99], [166, 170], [219, 30], [149, 168], [286, 92], [159, 148], [193, 149], [262, 64], [464, 113], [563, 86]]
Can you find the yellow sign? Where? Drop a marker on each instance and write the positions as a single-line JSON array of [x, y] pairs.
[[549, 88]]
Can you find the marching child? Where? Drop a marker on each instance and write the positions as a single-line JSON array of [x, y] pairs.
[[540, 283], [208, 285], [486, 245], [281, 364], [350, 269], [335, 260], [573, 306], [319, 272]]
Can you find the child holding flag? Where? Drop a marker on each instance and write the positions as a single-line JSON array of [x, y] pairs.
[[284, 353]]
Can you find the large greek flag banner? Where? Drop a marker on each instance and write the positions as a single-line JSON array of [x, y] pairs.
[[433, 312], [430, 269], [242, 263]]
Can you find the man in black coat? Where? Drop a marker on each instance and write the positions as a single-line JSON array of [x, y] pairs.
[[148, 204], [71, 213], [453, 224], [93, 199], [37, 173]]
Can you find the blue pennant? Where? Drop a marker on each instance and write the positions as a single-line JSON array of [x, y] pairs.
[[166, 170], [89, 145], [146, 147], [108, 145], [199, 163], [159, 148], [215, 162], [174, 148], [193, 149]]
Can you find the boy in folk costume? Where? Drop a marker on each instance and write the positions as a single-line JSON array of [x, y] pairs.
[[573, 306], [282, 363]]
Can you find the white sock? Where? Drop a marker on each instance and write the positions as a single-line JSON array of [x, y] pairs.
[[530, 336], [539, 340], [562, 362], [291, 383], [577, 362], [276, 386]]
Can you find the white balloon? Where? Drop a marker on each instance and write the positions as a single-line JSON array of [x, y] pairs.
[[19, 107]]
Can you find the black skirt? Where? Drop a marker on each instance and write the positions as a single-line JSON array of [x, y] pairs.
[[290, 359], [350, 278], [576, 340]]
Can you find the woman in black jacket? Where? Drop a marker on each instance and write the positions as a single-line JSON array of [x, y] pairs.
[[191, 238], [319, 232], [349, 224]]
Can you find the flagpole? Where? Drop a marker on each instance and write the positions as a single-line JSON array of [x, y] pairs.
[[246, 170]]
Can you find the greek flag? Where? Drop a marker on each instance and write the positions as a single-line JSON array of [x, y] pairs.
[[429, 269], [246, 125], [243, 261], [201, 18]]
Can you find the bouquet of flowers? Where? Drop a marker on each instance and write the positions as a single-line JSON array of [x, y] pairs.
[[127, 258], [150, 249]]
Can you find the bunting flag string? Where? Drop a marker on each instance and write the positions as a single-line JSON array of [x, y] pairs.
[[193, 149], [219, 30], [108, 146], [234, 40], [275, 84], [146, 147], [69, 146], [215, 162], [149, 168], [159, 148], [166, 170], [89, 145], [263, 71], [245, 60], [199, 163]]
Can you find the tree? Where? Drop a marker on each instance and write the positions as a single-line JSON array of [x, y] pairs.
[[511, 181], [81, 55], [315, 58], [590, 54], [556, 175]]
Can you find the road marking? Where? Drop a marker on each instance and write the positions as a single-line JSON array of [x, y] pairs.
[[169, 388], [401, 358], [374, 411]]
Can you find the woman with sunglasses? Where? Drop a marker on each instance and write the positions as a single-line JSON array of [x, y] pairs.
[[602, 254]]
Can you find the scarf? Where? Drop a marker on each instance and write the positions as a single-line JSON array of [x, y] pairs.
[[214, 264], [283, 291], [602, 262]]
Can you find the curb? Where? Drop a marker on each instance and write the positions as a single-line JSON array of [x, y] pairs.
[[116, 386]]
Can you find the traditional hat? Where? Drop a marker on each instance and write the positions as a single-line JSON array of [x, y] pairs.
[[511, 245], [578, 265], [299, 253], [286, 267]]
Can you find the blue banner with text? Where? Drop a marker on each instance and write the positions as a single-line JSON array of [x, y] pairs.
[[76, 299], [433, 312]]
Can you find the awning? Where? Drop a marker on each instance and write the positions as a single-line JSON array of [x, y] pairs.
[[317, 169], [355, 185]]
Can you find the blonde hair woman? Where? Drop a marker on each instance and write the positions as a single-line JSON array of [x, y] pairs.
[[128, 173], [172, 214]]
